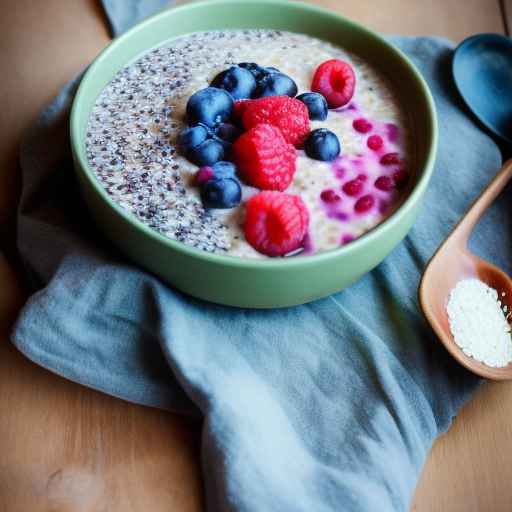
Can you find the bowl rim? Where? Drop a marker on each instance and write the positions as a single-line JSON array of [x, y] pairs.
[[236, 261]]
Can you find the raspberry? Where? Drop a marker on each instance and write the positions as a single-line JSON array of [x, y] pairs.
[[288, 114], [362, 125], [264, 159], [363, 204], [390, 159], [239, 108], [374, 142], [384, 183], [275, 223], [336, 81]]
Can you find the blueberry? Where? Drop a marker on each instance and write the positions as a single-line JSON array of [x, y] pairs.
[[272, 70], [207, 153], [276, 84], [221, 193], [228, 132], [322, 144], [209, 106], [317, 105], [256, 70], [239, 82], [224, 169], [191, 137]]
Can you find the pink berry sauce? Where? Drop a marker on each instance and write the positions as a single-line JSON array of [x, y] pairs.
[[369, 180], [374, 142], [385, 183], [365, 203], [330, 196], [390, 159], [392, 132], [353, 187], [362, 125]]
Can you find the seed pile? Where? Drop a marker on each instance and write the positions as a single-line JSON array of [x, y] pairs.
[[478, 321]]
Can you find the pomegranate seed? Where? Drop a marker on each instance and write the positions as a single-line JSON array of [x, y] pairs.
[[400, 178], [361, 125], [374, 142], [384, 183], [353, 187], [329, 196], [362, 177], [363, 204], [346, 239], [390, 159]]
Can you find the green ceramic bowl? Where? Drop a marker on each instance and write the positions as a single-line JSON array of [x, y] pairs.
[[242, 282]]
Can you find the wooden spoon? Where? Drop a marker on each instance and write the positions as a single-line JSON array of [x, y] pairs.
[[453, 262]]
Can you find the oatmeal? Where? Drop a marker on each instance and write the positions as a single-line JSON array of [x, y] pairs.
[[132, 134]]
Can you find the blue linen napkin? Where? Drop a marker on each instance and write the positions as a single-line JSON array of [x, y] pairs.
[[328, 406]]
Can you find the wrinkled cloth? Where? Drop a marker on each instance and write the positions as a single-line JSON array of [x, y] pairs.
[[329, 406]]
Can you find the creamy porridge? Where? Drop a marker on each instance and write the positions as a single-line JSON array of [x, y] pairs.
[[132, 146]]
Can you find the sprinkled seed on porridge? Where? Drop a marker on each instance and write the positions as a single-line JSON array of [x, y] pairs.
[[133, 131]]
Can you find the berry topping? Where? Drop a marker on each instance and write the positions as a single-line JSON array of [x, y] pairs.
[[221, 193], [270, 69], [329, 196], [264, 158], [220, 169], [390, 159], [316, 104], [239, 108], [227, 132], [209, 106], [362, 177], [275, 84], [256, 70], [400, 178], [224, 170], [336, 81], [354, 187], [239, 82], [206, 153], [288, 114], [191, 137], [362, 125], [322, 144], [363, 204], [203, 175], [374, 142], [275, 223], [384, 183]]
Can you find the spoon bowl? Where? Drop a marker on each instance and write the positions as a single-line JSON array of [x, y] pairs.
[[453, 262], [482, 71]]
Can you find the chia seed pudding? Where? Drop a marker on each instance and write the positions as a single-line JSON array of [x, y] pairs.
[[132, 131]]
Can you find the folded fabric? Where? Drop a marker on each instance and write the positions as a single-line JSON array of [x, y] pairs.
[[323, 407]]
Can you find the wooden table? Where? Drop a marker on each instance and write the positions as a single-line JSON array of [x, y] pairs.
[[66, 448]]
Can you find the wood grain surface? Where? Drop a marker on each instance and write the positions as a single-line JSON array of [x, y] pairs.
[[65, 448], [506, 7]]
